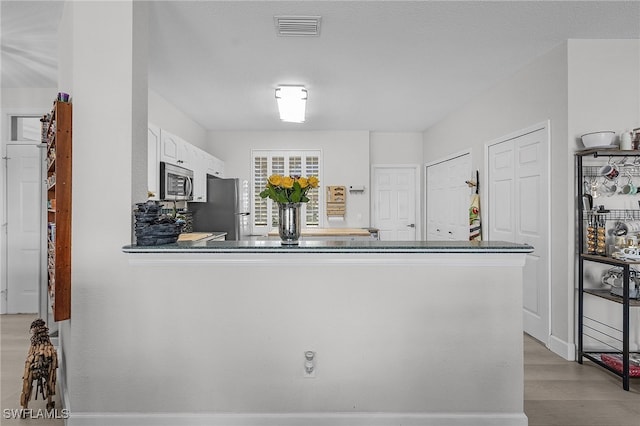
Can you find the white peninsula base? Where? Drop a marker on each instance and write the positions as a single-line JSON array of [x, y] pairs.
[[417, 338]]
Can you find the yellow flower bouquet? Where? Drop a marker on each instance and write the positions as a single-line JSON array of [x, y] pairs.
[[289, 189]]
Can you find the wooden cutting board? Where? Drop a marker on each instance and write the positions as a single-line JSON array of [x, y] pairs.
[[194, 236]]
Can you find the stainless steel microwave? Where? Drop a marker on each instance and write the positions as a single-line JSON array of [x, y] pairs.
[[176, 183]]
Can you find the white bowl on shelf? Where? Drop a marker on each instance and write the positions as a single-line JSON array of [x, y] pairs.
[[602, 139]]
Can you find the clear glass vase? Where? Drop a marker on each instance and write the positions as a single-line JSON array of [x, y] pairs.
[[289, 223]]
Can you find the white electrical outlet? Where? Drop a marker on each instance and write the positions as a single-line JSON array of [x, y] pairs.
[[309, 370]]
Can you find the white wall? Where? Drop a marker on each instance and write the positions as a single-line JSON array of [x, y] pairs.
[[345, 161], [535, 94], [108, 86], [581, 86], [604, 94], [396, 148], [164, 114], [604, 87]]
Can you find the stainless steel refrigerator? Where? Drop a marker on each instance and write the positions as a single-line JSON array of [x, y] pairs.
[[222, 211]]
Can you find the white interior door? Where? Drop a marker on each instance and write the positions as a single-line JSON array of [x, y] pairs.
[[24, 209], [448, 198], [394, 203], [436, 199], [519, 212], [153, 161]]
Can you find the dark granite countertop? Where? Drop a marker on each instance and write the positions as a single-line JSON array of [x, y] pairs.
[[328, 246]]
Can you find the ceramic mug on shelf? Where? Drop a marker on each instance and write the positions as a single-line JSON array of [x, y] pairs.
[[627, 228], [609, 171], [612, 278], [626, 141], [629, 188], [608, 188]]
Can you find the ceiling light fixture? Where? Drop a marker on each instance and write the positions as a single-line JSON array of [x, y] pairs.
[[292, 102]]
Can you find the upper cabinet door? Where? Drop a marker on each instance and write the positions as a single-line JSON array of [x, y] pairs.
[[175, 150], [169, 148], [214, 166], [198, 165]]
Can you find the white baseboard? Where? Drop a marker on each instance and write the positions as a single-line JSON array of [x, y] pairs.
[[564, 349], [62, 380], [297, 419]]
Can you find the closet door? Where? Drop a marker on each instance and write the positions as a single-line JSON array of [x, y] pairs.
[[448, 198], [519, 212]]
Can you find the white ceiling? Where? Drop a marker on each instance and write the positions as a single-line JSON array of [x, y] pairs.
[[377, 65]]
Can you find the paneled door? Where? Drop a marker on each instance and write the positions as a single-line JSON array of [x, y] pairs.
[[518, 193], [448, 198], [394, 202], [153, 161], [24, 227]]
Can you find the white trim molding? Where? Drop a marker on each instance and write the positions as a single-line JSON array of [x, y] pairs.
[[297, 419], [564, 349]]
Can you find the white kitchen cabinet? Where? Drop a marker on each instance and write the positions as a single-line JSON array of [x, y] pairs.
[[153, 161], [214, 166], [204, 164], [167, 147], [198, 165], [175, 150]]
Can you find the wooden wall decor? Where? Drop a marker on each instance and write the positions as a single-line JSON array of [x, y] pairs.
[[336, 201]]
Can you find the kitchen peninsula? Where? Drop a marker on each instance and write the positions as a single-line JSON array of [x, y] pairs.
[[397, 329]]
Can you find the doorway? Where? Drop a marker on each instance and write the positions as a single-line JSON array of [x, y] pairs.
[[448, 197], [24, 227], [394, 201], [22, 194], [518, 195]]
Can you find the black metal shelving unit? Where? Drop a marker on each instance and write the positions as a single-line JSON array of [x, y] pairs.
[[625, 301]]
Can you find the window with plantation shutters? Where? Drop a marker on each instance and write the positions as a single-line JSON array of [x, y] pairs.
[[287, 163], [260, 214]]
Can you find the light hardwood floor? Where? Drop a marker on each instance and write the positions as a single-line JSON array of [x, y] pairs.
[[556, 392], [565, 393]]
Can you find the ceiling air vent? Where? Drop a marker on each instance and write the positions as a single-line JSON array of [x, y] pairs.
[[287, 26]]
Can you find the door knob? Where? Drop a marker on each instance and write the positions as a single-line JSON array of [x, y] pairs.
[[413, 225]]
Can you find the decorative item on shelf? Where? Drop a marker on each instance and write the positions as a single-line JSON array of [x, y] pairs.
[[601, 235], [626, 141], [289, 192], [635, 142], [615, 361], [614, 278], [591, 235], [152, 228], [596, 234], [63, 97], [594, 140], [336, 202]]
